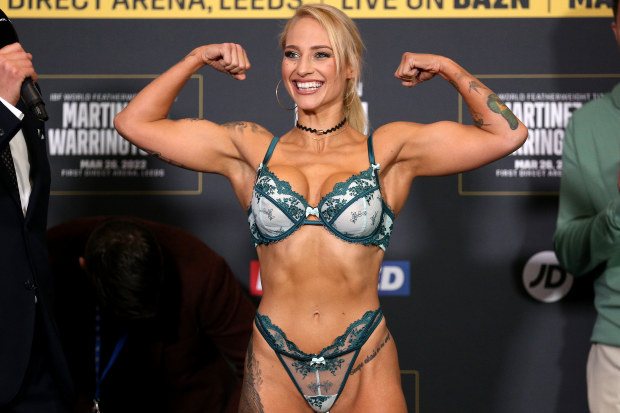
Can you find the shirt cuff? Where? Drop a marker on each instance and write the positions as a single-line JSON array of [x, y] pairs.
[[18, 113], [613, 214]]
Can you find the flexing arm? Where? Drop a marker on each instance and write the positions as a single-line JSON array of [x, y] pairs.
[[449, 147], [585, 237], [190, 143]]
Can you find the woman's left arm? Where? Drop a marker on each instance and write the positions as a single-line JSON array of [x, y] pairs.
[[449, 147]]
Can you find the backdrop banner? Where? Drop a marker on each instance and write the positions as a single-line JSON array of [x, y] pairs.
[[483, 317]]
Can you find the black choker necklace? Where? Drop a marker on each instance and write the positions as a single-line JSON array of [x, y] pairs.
[[321, 132]]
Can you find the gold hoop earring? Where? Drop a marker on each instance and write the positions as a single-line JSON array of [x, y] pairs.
[[350, 95], [278, 99]]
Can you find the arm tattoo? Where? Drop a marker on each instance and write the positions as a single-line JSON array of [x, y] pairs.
[[254, 128], [455, 84], [498, 106], [371, 356], [250, 399], [237, 124], [460, 75], [163, 158], [189, 55], [474, 85], [478, 121]]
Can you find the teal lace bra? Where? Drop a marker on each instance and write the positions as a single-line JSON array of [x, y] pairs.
[[353, 211]]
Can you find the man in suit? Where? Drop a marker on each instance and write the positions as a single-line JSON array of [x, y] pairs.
[[33, 373], [157, 308]]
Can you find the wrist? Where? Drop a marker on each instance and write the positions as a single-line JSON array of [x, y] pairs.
[[194, 60], [12, 107], [613, 213], [449, 69]]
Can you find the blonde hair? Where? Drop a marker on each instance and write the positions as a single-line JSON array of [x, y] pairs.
[[348, 48]]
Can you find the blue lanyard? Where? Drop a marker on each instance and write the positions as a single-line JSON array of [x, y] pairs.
[[117, 349]]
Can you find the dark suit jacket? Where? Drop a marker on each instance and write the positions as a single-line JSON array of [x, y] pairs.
[[24, 267], [190, 358]]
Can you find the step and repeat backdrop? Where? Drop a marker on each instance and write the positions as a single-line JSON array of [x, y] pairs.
[[484, 318]]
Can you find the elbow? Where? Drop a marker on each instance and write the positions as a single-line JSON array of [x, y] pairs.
[[556, 241], [518, 137], [121, 123], [562, 252], [521, 134], [128, 126]]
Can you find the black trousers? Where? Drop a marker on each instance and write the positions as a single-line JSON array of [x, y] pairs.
[[39, 392]]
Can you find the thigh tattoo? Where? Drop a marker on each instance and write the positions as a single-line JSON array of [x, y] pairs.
[[371, 356], [250, 399]]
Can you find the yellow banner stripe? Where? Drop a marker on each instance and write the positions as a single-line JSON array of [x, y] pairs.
[[270, 9]]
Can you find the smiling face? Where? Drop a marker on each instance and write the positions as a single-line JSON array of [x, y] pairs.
[[309, 67]]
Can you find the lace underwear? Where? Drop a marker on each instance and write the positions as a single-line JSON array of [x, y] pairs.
[[321, 377]]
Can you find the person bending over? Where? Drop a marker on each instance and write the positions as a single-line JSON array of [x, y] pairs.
[[151, 318]]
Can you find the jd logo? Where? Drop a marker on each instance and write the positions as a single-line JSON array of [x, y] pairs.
[[546, 276], [544, 279], [394, 278]]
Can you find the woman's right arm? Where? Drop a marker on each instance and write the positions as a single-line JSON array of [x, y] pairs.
[[195, 144]]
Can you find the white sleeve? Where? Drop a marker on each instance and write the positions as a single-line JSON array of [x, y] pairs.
[[18, 113]]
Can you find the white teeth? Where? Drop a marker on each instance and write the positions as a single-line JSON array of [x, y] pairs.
[[309, 85]]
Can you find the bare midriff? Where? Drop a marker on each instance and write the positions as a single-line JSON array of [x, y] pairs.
[[315, 285]]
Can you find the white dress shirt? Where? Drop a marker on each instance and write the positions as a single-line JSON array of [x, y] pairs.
[[19, 150]]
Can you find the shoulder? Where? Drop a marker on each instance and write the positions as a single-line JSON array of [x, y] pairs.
[[188, 253], [393, 132], [250, 139], [245, 126], [75, 228], [597, 119], [173, 237], [599, 108], [396, 128], [393, 136], [247, 130]]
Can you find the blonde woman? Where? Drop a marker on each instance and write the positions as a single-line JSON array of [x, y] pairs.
[[321, 202]]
